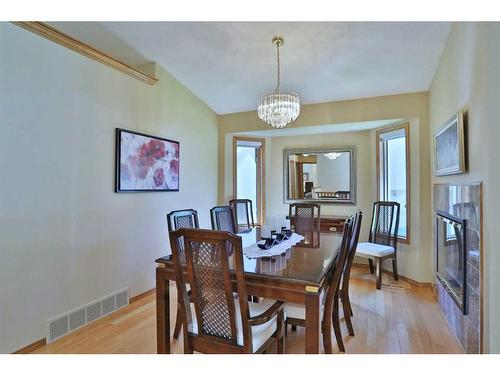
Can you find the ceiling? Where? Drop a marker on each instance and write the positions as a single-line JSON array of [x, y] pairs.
[[229, 64]]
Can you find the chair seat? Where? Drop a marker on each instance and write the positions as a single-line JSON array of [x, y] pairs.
[[260, 333], [373, 249], [298, 311]]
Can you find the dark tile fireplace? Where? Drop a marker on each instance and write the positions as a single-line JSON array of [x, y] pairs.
[[451, 256], [457, 245]]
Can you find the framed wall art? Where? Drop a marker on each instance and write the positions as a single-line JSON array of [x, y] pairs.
[[449, 147], [145, 162]]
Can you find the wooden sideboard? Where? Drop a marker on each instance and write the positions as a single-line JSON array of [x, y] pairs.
[[330, 223]]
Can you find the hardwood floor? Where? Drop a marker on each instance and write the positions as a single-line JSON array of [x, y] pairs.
[[400, 318]]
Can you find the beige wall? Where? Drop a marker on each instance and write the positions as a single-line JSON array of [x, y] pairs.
[[415, 258], [65, 237], [468, 77]]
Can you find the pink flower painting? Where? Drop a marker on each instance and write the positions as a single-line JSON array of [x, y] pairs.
[[146, 163]]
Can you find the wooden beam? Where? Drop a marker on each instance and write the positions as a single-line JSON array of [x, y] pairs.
[[67, 41]]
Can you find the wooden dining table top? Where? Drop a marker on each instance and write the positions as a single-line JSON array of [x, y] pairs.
[[301, 262]]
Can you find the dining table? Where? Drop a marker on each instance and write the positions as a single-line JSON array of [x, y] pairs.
[[299, 275]]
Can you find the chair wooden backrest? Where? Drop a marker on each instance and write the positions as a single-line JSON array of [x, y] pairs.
[[187, 218], [208, 273], [243, 214], [338, 267], [306, 219], [222, 219], [385, 224], [353, 244]]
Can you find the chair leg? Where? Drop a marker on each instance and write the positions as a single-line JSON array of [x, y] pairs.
[[178, 323], [395, 268], [346, 306], [188, 347], [370, 264], [280, 344], [379, 273], [345, 299], [336, 325], [327, 336]]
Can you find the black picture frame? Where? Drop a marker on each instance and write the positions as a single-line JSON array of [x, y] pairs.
[[118, 156]]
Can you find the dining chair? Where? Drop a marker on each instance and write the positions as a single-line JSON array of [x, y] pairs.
[[243, 214], [222, 219], [346, 275], [213, 320], [187, 218], [295, 313], [306, 220], [383, 238]]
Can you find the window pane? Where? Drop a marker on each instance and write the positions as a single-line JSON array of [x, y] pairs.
[[396, 178], [247, 176]]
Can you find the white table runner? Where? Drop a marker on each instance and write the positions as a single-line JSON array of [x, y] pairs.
[[253, 251]]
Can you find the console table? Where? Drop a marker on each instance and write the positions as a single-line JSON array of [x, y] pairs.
[[329, 223]]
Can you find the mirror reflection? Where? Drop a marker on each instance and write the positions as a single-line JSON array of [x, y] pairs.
[[320, 175]]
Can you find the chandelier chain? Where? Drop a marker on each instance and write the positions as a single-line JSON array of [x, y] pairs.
[[278, 63]]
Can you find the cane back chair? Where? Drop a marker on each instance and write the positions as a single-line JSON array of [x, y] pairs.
[[305, 218], [187, 218], [344, 292], [243, 214], [213, 320], [222, 219], [383, 238], [295, 313]]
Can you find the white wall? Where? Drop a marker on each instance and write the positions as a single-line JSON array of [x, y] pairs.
[[468, 77], [65, 237]]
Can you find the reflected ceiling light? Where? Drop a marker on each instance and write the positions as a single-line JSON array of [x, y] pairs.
[[332, 155], [279, 107]]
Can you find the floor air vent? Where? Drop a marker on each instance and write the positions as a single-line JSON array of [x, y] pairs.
[[74, 319]]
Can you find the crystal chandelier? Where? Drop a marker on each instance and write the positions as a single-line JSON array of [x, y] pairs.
[[279, 107]]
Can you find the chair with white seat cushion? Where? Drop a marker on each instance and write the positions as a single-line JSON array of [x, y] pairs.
[[214, 321], [383, 238], [187, 218], [295, 313], [346, 275]]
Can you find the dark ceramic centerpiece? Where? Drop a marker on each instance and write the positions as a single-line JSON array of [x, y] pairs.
[[275, 238]]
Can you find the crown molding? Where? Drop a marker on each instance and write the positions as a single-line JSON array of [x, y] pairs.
[[56, 36]]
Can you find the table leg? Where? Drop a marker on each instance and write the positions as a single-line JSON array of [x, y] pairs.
[[312, 323], [162, 313]]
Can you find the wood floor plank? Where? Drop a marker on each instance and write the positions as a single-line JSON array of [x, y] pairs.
[[400, 318]]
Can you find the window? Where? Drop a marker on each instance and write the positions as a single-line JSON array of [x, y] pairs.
[[248, 173], [394, 173]]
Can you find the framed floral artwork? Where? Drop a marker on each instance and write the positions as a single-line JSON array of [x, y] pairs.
[[145, 163]]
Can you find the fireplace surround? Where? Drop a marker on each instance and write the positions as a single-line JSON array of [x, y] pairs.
[[457, 259]]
